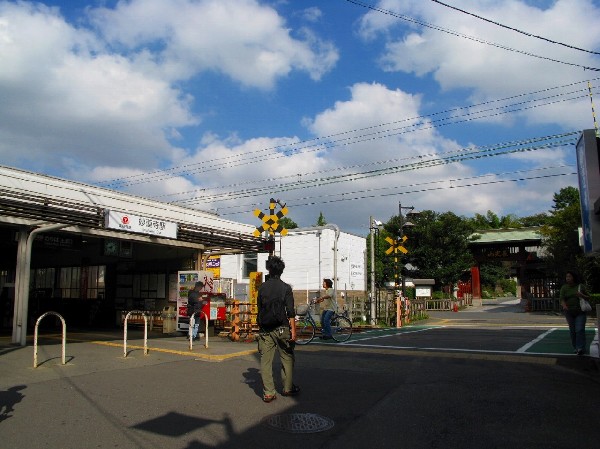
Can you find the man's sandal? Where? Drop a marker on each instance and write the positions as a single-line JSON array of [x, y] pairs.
[[269, 398], [293, 392]]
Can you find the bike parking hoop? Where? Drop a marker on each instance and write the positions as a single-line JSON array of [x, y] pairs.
[[137, 312], [35, 337], [191, 329]]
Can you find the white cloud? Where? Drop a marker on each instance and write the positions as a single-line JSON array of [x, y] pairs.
[[242, 39], [486, 71], [116, 100], [63, 97], [111, 98]]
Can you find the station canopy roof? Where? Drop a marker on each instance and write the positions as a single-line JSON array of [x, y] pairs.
[[33, 200]]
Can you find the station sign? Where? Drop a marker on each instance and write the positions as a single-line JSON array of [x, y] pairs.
[[139, 224]]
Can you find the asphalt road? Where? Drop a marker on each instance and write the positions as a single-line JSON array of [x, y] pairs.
[[457, 381]]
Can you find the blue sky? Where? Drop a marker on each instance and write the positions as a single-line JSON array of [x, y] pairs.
[[342, 107]]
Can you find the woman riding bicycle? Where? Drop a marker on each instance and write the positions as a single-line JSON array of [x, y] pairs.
[[328, 309]]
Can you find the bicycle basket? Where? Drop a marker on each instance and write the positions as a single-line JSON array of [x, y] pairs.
[[301, 309]]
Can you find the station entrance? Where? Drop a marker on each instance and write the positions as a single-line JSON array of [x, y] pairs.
[[88, 252]]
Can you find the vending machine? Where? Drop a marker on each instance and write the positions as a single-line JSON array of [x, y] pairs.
[[186, 282]]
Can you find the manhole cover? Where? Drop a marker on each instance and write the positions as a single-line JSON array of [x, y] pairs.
[[298, 422]]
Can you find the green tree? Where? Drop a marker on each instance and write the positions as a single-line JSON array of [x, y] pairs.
[[384, 266], [492, 221], [560, 237], [438, 246], [288, 223], [488, 221], [566, 197], [534, 220], [321, 220]]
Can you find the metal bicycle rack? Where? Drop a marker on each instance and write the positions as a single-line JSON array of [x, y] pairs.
[[191, 327], [145, 332], [35, 337]]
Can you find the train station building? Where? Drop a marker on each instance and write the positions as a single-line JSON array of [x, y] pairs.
[[90, 253]]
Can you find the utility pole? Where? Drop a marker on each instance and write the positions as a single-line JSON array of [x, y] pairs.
[[372, 236]]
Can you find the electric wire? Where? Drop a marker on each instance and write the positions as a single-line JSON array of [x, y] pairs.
[[270, 180], [436, 160], [381, 134], [417, 190], [294, 148], [466, 36], [515, 29], [452, 183]]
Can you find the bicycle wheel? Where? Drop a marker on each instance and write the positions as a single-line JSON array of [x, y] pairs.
[[341, 328], [305, 331]]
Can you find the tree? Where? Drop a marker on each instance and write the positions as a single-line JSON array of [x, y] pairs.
[[437, 247], [321, 220], [384, 266], [440, 246], [534, 220], [560, 237], [566, 197], [493, 221], [288, 223]]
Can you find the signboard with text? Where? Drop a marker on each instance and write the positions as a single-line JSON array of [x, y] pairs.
[[139, 224]]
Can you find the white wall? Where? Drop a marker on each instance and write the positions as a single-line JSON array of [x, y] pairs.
[[309, 257]]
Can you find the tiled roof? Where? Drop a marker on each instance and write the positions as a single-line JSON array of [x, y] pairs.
[[507, 235]]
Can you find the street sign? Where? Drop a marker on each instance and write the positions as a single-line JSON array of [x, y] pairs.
[[396, 245], [271, 222]]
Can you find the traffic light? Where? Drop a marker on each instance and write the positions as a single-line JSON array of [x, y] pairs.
[[268, 245]]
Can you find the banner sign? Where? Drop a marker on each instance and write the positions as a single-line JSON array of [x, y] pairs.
[[142, 225]]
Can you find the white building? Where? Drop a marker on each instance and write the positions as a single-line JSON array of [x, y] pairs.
[[310, 255]]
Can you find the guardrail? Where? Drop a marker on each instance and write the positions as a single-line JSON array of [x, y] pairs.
[[191, 329], [145, 332], [35, 337]]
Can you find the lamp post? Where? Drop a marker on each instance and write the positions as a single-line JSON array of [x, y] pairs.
[[404, 224]]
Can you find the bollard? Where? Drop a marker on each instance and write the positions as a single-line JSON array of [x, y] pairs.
[[145, 332], [35, 337], [191, 326]]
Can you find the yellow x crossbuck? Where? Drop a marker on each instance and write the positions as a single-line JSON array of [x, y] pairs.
[[271, 222], [396, 245]]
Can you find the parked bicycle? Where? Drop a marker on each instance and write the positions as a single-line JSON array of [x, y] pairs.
[[306, 327]]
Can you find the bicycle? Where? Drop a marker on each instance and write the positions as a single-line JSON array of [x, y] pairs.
[[306, 327]]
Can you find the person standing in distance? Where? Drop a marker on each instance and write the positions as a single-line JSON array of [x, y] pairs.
[[570, 293], [329, 308], [276, 320], [194, 305]]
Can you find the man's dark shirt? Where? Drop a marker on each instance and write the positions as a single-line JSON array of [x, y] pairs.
[[195, 302], [276, 290]]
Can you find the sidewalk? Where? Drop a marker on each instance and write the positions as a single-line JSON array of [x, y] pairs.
[[355, 397]]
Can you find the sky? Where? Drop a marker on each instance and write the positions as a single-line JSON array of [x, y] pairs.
[[349, 108]]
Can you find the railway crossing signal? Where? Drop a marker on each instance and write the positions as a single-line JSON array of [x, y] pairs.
[[271, 222], [396, 245]]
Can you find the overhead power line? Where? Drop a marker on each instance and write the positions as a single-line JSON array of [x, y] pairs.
[[416, 163], [466, 36], [419, 123], [514, 29], [377, 192], [414, 189]]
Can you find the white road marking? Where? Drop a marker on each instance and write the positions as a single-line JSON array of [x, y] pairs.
[[535, 340]]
